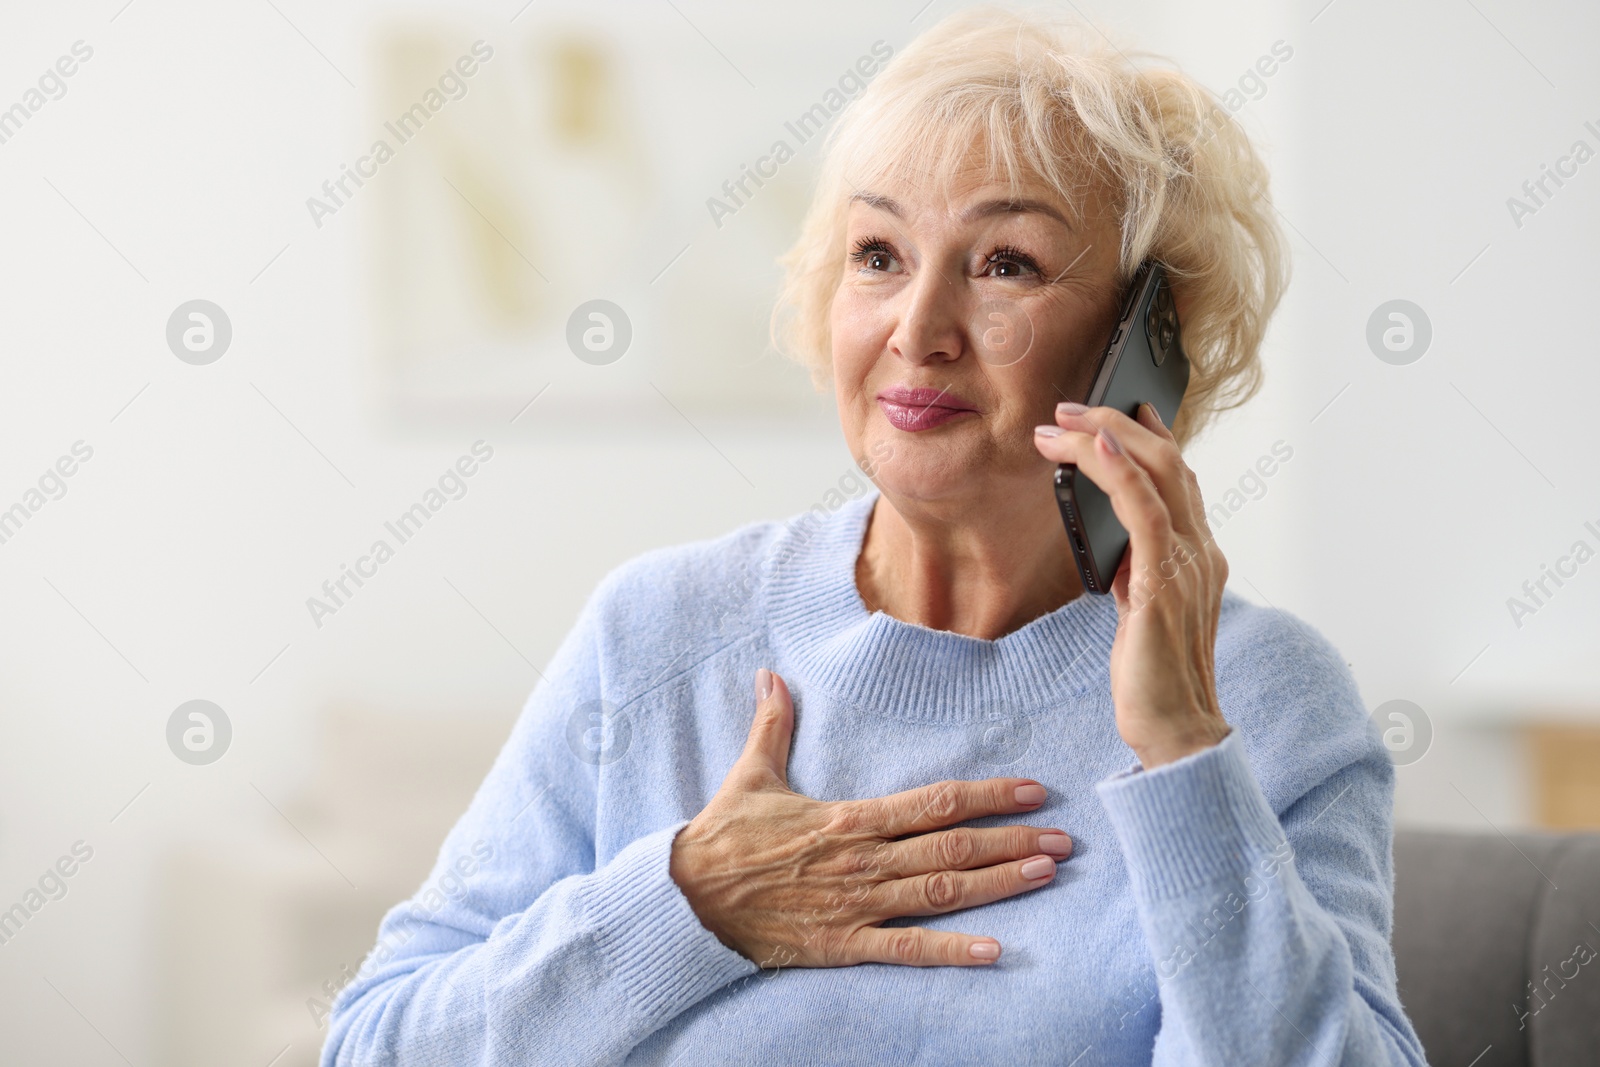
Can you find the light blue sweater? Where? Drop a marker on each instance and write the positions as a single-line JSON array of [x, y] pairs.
[[1231, 908]]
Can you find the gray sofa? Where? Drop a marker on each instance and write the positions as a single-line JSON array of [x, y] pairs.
[[1477, 917]]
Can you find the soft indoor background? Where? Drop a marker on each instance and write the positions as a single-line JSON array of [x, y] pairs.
[[352, 351]]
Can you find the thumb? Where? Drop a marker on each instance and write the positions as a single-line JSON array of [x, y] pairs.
[[1122, 589], [767, 748]]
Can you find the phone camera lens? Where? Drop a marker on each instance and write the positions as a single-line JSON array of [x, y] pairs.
[[1166, 334]]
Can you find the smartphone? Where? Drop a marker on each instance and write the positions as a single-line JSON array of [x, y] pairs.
[[1143, 363]]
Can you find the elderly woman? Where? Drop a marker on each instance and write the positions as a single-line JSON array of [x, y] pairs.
[[883, 784]]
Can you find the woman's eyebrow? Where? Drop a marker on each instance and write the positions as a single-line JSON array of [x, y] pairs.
[[982, 209], [878, 200], [1007, 206]]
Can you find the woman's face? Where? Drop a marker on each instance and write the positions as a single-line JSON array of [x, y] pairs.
[[960, 323]]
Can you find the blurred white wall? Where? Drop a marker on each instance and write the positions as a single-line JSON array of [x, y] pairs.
[[218, 498]]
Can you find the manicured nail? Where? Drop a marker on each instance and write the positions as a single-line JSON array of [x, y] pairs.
[[1154, 414], [1030, 794], [1071, 407], [1055, 844], [1038, 867], [1048, 431], [985, 950], [763, 683], [1112, 443]]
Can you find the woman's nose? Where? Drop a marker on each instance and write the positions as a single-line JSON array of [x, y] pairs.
[[930, 327]]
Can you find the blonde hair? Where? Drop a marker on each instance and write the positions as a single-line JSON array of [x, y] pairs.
[[1051, 100]]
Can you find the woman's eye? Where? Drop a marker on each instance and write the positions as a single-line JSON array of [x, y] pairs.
[[1010, 263], [873, 255]]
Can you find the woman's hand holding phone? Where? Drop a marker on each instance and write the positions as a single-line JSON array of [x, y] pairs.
[[1168, 589]]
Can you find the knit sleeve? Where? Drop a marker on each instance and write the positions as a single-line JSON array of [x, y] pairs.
[[1269, 937], [519, 948]]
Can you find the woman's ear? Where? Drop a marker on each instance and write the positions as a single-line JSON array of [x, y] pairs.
[[1182, 302]]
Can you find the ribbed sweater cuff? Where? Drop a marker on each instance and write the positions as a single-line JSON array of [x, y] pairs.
[[1192, 822], [653, 943]]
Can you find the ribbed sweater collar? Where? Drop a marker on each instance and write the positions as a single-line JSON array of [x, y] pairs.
[[820, 624]]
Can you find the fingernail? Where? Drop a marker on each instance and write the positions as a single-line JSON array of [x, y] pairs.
[[1048, 431], [1154, 414], [1030, 794], [763, 683], [1038, 867], [1071, 407], [1112, 443], [985, 950], [1055, 844]]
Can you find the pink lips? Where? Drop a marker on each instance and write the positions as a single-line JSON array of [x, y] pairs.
[[913, 410]]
